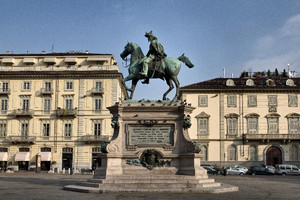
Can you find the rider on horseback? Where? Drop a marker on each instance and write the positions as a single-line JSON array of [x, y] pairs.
[[155, 53]]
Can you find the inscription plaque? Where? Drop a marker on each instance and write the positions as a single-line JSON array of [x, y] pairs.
[[155, 135]]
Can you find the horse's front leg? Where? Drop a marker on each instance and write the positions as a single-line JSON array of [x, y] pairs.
[[177, 84], [128, 78], [133, 85], [171, 86]]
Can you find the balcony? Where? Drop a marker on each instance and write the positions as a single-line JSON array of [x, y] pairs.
[[46, 91], [94, 138], [4, 91], [23, 113], [97, 91], [62, 112], [22, 139], [266, 138]]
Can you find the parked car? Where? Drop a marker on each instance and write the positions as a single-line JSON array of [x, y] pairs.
[[262, 170], [245, 169], [288, 170], [211, 167], [211, 170], [233, 171]]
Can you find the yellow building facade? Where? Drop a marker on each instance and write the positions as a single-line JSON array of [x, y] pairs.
[[54, 105], [246, 121]]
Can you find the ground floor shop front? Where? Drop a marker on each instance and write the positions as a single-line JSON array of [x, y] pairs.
[[57, 158]]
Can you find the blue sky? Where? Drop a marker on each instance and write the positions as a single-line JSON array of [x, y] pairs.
[[234, 34]]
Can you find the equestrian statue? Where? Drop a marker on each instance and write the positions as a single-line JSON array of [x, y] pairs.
[[155, 64]]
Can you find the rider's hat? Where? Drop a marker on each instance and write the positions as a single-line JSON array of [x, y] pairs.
[[150, 35]]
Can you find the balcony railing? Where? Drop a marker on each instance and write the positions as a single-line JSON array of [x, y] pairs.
[[22, 139], [97, 91], [4, 91], [46, 91], [23, 113], [66, 112], [94, 138], [271, 137]]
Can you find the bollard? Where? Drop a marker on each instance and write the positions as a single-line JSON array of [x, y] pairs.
[[64, 170]]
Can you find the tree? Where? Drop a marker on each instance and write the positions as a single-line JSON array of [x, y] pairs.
[[284, 74], [276, 73], [269, 74]]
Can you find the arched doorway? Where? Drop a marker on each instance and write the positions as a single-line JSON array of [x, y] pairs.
[[273, 156]]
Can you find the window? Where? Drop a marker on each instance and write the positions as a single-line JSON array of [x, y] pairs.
[[97, 127], [26, 86], [272, 100], [250, 82], [253, 153], [231, 100], [4, 105], [98, 85], [24, 128], [5, 86], [252, 101], [290, 82], [202, 126], [273, 126], [69, 85], [293, 101], [45, 149], [202, 101], [203, 152], [232, 152], [69, 103], [3, 128], [202, 123], [48, 86], [294, 153], [293, 125], [232, 126], [45, 129], [252, 125], [67, 130], [97, 104], [47, 105], [230, 82], [25, 104]]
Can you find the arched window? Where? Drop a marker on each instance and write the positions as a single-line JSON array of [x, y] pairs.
[[232, 152], [294, 153], [290, 82], [230, 82], [203, 152], [250, 82], [253, 153], [270, 82]]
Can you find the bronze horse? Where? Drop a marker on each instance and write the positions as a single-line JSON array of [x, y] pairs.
[[170, 71]]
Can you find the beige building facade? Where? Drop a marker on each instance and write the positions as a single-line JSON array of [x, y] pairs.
[[54, 105], [247, 121]]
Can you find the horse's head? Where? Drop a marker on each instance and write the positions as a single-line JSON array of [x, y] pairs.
[[127, 50]]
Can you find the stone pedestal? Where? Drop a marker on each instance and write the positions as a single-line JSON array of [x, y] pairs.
[[151, 151]]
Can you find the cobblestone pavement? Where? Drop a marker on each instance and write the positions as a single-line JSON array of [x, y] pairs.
[[34, 186]]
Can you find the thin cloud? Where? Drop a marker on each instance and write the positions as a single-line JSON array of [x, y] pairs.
[[278, 49]]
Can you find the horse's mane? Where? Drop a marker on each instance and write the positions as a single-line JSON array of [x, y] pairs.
[[139, 50]]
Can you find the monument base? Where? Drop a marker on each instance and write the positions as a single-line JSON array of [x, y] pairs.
[[151, 151]]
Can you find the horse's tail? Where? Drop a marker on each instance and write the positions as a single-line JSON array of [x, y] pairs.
[[186, 61]]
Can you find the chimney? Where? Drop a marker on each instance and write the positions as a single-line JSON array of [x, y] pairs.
[[7, 52], [86, 51], [43, 52]]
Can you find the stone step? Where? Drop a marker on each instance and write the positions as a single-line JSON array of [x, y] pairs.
[[166, 181], [220, 189], [151, 177], [149, 185]]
